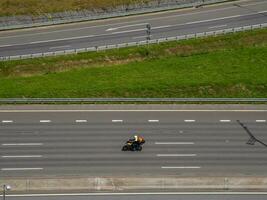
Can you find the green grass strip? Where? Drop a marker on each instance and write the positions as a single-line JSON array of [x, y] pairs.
[[234, 65]]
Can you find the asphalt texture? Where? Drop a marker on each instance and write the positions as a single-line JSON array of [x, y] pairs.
[[133, 29], [147, 197], [179, 142]]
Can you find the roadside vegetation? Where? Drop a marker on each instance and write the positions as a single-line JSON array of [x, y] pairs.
[[39, 7], [233, 65]]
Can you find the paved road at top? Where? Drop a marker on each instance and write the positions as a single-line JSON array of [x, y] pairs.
[[148, 197], [132, 29], [88, 142]]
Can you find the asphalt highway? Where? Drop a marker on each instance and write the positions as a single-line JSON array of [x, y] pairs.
[[148, 197], [133, 29], [180, 142]]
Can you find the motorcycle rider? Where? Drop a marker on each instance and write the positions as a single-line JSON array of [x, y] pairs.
[[139, 139]]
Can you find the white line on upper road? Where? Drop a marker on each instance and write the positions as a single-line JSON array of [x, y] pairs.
[[173, 143], [153, 120], [138, 193], [225, 120], [219, 26], [182, 167], [45, 121], [176, 155], [189, 120], [126, 26], [20, 169], [81, 120], [60, 47], [7, 121], [22, 144], [260, 120], [23, 156], [117, 120]]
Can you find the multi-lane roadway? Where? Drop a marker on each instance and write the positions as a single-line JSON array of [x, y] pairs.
[[133, 29], [181, 141]]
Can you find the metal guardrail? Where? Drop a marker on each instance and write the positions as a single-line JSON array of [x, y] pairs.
[[15, 22], [131, 44], [114, 100]]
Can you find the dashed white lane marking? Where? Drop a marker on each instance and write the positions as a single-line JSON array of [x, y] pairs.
[[20, 169], [170, 143], [117, 120], [260, 120], [60, 47], [22, 144], [182, 167], [126, 26], [45, 121], [23, 156], [219, 26], [176, 155], [144, 36], [225, 120], [153, 120], [189, 120], [81, 121], [7, 121]]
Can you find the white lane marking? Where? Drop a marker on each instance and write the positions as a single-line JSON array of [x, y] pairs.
[[32, 111], [62, 39], [220, 18], [45, 121], [60, 47], [225, 120], [81, 120], [219, 26], [260, 120], [173, 143], [126, 26], [144, 36], [129, 31], [7, 121], [153, 120], [137, 193], [189, 120], [261, 12], [176, 155], [182, 167], [22, 144], [23, 156], [20, 169], [117, 120]]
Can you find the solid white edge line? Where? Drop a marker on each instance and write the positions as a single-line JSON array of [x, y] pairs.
[[81, 120], [45, 121], [260, 120], [137, 193], [189, 120], [176, 155], [29, 111], [7, 121], [117, 120], [20, 169], [153, 120], [23, 156], [225, 120], [182, 167], [22, 144], [170, 143]]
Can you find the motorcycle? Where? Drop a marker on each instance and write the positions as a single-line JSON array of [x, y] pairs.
[[132, 145]]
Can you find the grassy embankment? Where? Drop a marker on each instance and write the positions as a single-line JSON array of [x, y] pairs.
[[234, 65], [39, 7]]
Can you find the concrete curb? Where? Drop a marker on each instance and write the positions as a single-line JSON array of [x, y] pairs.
[[119, 184]]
